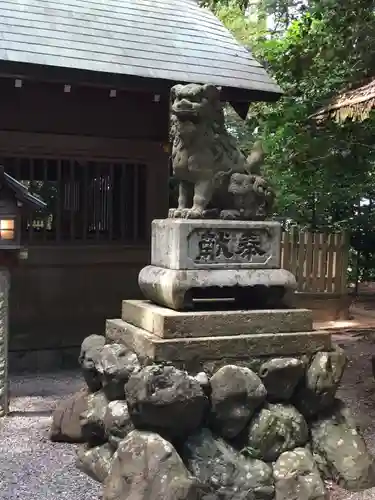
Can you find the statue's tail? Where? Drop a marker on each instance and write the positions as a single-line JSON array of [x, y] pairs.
[[255, 159]]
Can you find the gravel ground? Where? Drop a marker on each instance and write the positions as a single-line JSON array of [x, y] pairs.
[[358, 391], [33, 468]]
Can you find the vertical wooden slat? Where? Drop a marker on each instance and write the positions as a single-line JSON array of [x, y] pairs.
[[97, 200], [309, 261], [110, 200], [344, 264], [342, 269], [105, 198], [72, 199], [31, 178], [45, 183], [136, 173], [103, 224], [338, 263], [152, 173], [322, 262], [142, 203], [85, 199], [122, 201], [330, 260], [294, 236], [58, 200], [17, 174], [315, 263], [102, 200], [301, 261]]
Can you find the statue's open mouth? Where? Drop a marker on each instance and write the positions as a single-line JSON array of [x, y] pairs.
[[186, 115], [185, 110]]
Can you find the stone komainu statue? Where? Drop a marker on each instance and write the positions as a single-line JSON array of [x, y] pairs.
[[215, 178]]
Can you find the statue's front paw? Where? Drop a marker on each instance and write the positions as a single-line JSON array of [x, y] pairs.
[[229, 214], [174, 213], [193, 213]]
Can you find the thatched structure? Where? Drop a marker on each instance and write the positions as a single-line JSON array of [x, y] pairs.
[[355, 104]]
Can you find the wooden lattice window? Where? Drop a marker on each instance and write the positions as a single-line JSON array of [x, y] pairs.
[[88, 201]]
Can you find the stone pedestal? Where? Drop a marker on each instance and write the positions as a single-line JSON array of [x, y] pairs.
[[215, 244], [219, 378], [192, 261], [202, 340], [216, 295]]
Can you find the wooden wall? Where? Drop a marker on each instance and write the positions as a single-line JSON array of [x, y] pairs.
[[60, 295], [64, 292], [43, 107]]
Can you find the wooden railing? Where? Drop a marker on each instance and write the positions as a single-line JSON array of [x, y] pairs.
[[319, 261]]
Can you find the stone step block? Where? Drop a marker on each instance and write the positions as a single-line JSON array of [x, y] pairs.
[[152, 347], [167, 323]]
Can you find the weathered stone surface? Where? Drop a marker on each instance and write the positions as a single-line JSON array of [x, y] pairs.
[[167, 323], [225, 470], [322, 380], [92, 420], [203, 151], [149, 346], [340, 450], [171, 288], [281, 376], [297, 477], [117, 422], [176, 244], [275, 429], [254, 363], [88, 359], [95, 462], [115, 366], [148, 467], [235, 395], [204, 381], [165, 400], [66, 426]]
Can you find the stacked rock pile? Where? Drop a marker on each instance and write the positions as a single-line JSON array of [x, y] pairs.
[[152, 431]]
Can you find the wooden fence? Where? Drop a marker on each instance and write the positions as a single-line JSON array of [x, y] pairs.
[[319, 261]]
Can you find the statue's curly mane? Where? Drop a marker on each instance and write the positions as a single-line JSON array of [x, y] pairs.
[[206, 155], [207, 119]]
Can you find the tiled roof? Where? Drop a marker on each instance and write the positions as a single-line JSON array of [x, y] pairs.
[[164, 39]]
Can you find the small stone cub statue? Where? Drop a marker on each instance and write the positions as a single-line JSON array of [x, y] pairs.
[[211, 170]]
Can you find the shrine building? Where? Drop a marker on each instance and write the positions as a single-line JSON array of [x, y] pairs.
[[84, 124]]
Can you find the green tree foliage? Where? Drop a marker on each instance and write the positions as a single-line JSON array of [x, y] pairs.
[[320, 47], [324, 175], [216, 5]]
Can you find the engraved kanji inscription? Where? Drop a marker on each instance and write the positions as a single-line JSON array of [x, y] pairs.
[[207, 247], [250, 245], [232, 246]]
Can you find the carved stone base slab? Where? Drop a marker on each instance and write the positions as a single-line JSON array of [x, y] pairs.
[[167, 323], [249, 288], [215, 244], [188, 350]]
